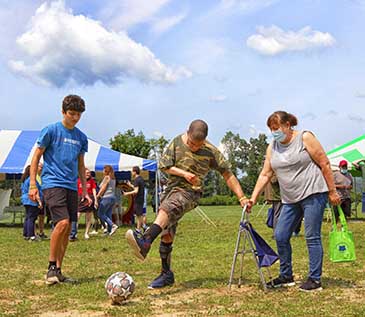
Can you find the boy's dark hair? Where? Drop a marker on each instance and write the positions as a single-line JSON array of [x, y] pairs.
[[74, 103], [198, 130], [136, 170]]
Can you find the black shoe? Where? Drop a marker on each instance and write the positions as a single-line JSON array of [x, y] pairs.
[[51, 276], [72, 238], [138, 244], [64, 279], [281, 281], [166, 278], [311, 285], [43, 236]]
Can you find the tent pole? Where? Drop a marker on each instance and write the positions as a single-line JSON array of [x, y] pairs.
[[362, 166]]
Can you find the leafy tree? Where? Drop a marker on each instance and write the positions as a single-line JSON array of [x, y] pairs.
[[253, 157], [158, 145], [136, 144], [246, 159]]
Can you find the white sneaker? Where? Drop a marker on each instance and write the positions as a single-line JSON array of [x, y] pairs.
[[114, 228], [93, 233], [87, 237]]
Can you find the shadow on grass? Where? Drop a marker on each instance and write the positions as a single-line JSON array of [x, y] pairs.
[[199, 282], [337, 282]]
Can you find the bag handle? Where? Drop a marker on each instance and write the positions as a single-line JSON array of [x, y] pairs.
[[341, 217]]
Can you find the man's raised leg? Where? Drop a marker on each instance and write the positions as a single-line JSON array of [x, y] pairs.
[[142, 244]]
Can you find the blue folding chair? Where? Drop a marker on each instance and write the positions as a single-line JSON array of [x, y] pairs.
[[264, 256]]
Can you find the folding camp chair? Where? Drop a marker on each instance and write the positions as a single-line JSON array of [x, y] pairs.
[[253, 243]]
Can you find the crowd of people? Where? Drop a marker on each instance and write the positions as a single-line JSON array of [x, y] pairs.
[[302, 171], [105, 210]]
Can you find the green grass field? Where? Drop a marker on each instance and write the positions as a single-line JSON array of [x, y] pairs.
[[202, 260]]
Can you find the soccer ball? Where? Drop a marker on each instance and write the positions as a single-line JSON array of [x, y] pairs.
[[119, 286]]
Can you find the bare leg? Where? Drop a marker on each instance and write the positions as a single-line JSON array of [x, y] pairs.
[[88, 222], [63, 246], [61, 230]]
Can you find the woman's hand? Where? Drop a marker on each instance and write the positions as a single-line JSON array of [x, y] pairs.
[[334, 198]]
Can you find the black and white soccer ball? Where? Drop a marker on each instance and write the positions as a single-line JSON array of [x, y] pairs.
[[119, 286]]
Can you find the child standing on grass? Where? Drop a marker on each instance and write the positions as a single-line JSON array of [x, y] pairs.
[[62, 146], [32, 208]]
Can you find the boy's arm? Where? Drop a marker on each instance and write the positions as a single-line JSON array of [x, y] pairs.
[[234, 185], [33, 189], [190, 177]]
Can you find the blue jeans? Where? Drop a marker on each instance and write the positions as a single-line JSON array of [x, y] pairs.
[[313, 209], [74, 227], [31, 214], [105, 211]]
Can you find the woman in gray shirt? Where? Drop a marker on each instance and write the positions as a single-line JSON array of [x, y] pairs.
[[306, 182], [106, 195]]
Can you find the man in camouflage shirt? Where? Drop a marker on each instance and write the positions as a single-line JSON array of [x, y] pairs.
[[188, 158]]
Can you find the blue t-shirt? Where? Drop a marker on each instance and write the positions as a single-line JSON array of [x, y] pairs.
[[60, 158], [25, 189]]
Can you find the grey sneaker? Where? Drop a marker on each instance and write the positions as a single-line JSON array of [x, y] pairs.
[[35, 239], [64, 279], [114, 228], [51, 276], [311, 285], [138, 244], [166, 278], [281, 281]]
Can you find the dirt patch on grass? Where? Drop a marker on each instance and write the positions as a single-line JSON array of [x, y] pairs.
[[73, 313], [177, 300]]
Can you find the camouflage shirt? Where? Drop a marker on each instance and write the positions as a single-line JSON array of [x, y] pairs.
[[179, 155]]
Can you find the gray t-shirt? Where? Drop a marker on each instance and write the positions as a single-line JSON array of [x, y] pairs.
[[298, 175], [343, 179], [110, 189]]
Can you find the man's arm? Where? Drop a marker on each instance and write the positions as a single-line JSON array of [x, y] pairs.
[[81, 167], [190, 177], [33, 190], [132, 192], [234, 185]]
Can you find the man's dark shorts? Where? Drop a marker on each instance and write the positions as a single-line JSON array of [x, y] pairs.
[[62, 203], [176, 203], [138, 209]]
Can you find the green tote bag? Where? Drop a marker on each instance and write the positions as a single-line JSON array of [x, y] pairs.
[[342, 246]]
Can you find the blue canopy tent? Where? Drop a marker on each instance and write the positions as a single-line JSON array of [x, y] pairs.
[[17, 148]]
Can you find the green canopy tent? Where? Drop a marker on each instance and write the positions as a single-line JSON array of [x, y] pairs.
[[354, 153]]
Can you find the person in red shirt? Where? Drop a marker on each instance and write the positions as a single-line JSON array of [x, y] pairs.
[[83, 205]]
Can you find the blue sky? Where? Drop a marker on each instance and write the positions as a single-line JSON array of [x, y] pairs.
[[156, 65]]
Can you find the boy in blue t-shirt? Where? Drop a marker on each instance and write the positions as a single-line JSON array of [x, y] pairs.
[[63, 147]]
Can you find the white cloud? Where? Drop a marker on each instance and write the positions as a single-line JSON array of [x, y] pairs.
[[205, 53], [245, 6], [164, 24], [218, 98], [356, 118], [310, 116], [359, 94], [61, 48], [124, 14], [252, 129], [273, 40]]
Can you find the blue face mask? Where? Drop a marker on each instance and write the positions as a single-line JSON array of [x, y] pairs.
[[278, 135], [343, 170]]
